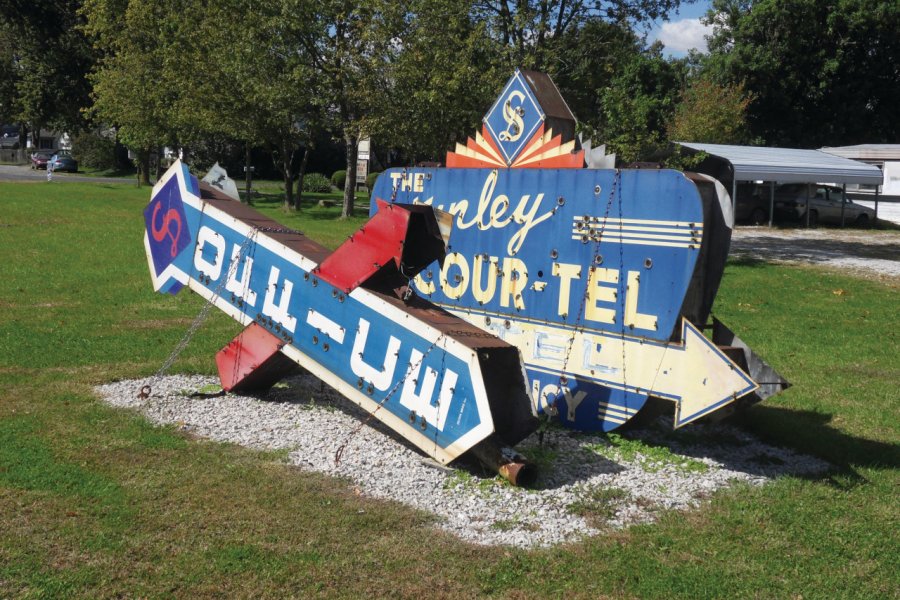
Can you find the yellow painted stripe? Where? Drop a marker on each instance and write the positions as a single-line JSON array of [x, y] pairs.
[[674, 237], [481, 143], [624, 409], [581, 225], [598, 218], [613, 418], [641, 242]]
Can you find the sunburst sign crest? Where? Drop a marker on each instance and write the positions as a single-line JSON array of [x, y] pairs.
[[517, 132]]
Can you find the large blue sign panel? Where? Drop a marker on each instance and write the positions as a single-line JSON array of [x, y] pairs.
[[584, 270], [369, 352]]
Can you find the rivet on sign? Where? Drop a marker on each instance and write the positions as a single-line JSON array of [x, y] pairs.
[[306, 277], [554, 254], [315, 282], [315, 339], [506, 324], [360, 383], [598, 259], [560, 200], [325, 346], [370, 389], [648, 263], [597, 189], [412, 416], [563, 380], [487, 320]]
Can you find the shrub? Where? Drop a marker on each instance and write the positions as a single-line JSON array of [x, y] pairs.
[[94, 151], [338, 179], [370, 180], [316, 183]]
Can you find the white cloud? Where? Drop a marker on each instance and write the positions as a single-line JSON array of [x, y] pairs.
[[681, 36]]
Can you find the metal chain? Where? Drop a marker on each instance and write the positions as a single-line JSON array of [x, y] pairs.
[[147, 389], [579, 325], [340, 451]]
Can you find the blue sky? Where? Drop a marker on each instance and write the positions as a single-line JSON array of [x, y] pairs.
[[683, 30]]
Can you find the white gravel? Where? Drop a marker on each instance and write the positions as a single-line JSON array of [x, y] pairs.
[[582, 475]]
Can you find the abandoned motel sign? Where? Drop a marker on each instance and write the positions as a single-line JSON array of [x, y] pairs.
[[515, 282]]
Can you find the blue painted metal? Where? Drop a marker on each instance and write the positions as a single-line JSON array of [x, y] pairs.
[[562, 263], [424, 384], [514, 118]]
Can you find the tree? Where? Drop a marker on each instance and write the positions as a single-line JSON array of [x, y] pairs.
[[352, 47], [820, 72], [130, 89], [45, 58], [712, 113], [638, 103], [529, 29], [446, 76], [256, 83], [590, 57]]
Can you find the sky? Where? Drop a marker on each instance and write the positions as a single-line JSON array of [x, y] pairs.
[[683, 30]]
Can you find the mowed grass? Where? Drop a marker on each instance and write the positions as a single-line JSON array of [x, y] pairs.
[[95, 502]]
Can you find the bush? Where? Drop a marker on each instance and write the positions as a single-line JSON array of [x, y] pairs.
[[94, 151], [370, 180], [316, 183], [338, 179]]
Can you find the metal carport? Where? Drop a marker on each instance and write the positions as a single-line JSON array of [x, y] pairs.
[[781, 165]]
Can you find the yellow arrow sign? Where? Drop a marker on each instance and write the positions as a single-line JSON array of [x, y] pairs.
[[694, 373]]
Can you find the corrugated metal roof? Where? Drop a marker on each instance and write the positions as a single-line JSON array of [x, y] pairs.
[[866, 151], [790, 165]]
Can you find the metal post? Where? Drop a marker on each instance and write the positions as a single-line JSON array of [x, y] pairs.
[[807, 205], [771, 202], [877, 189], [843, 202], [734, 196]]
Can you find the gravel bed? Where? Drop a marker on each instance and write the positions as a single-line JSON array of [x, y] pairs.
[[588, 483]]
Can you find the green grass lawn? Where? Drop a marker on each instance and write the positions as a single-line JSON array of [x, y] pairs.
[[95, 502]]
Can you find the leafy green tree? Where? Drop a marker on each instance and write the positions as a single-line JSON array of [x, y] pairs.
[[44, 58], [712, 113], [130, 87], [590, 57], [352, 46], [252, 79], [820, 72], [444, 79], [638, 103], [528, 30]]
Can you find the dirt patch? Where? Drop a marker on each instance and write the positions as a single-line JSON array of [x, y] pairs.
[[863, 252]]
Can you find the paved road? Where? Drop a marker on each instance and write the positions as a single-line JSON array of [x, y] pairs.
[[17, 173]]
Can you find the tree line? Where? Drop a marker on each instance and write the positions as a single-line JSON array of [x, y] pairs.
[[418, 75]]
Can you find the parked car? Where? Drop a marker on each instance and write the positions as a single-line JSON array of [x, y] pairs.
[[39, 159], [826, 202], [752, 204], [63, 161]]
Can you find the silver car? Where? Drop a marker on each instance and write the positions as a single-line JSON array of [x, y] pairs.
[[826, 204]]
